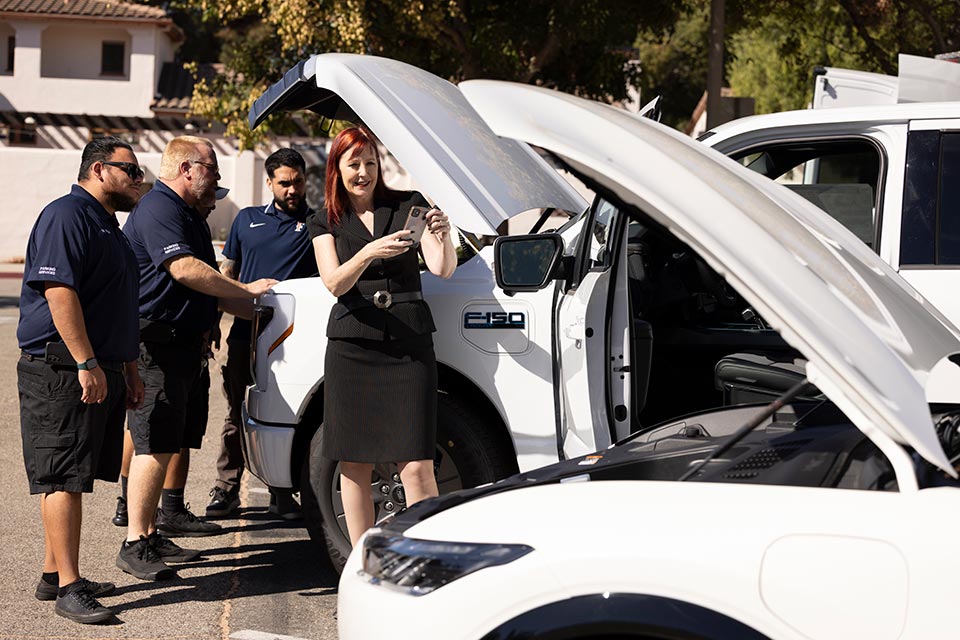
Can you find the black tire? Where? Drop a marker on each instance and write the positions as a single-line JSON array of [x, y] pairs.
[[468, 454]]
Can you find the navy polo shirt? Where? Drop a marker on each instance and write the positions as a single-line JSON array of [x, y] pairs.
[[163, 226], [266, 242], [75, 242]]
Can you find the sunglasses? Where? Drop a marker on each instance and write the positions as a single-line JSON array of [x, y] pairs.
[[129, 168], [209, 165]]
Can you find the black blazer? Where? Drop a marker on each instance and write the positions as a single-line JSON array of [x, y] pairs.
[[400, 274]]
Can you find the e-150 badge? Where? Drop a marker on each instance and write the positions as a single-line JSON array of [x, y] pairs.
[[494, 320]]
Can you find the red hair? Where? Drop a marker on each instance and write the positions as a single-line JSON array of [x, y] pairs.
[[335, 194]]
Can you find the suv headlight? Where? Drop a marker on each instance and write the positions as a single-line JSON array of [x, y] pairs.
[[420, 566]]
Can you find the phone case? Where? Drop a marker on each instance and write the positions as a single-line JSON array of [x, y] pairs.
[[417, 222]]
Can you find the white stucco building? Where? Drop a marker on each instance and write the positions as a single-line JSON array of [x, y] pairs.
[[74, 69]]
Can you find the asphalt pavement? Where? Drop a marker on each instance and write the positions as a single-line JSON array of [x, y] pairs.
[[261, 579]]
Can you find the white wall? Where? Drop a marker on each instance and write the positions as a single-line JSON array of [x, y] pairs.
[[48, 173], [75, 52], [52, 172], [57, 70]]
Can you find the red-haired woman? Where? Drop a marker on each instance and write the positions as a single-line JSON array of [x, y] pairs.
[[380, 388]]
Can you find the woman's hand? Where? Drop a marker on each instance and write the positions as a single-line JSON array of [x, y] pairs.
[[438, 223], [389, 246]]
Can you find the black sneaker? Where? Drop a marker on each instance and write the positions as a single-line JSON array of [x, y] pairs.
[[141, 560], [46, 591], [120, 517], [184, 523], [284, 506], [169, 551], [79, 605], [222, 502]]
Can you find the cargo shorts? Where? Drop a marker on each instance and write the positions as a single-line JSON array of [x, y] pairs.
[[68, 444], [176, 400]]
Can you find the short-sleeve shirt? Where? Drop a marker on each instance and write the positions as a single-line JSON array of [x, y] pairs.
[[77, 243], [266, 242], [161, 227], [399, 274]]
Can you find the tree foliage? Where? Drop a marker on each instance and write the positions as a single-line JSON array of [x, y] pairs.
[[576, 46], [773, 46]]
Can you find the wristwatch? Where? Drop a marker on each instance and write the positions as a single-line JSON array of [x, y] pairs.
[[87, 365]]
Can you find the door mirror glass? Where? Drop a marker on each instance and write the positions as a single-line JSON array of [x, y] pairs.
[[527, 263]]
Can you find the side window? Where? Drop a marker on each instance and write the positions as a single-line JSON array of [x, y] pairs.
[[841, 177], [600, 252], [949, 205], [930, 225]]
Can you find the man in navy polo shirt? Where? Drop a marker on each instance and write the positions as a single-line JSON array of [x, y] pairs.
[[77, 370], [180, 289], [265, 241]]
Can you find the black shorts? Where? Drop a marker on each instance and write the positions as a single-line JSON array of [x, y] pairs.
[[66, 443], [176, 399]]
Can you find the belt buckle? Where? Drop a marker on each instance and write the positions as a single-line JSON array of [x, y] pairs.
[[382, 299]]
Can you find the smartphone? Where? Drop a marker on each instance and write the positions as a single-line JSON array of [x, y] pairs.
[[417, 222]]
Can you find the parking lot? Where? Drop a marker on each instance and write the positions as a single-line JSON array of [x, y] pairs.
[[260, 579]]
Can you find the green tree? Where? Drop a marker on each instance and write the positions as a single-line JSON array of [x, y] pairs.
[[673, 64], [576, 46], [773, 46]]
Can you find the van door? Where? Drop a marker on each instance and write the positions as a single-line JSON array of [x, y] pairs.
[[592, 338], [929, 257]]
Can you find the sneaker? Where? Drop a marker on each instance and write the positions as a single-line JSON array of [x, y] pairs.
[[47, 591], [169, 551], [283, 505], [79, 605], [141, 560], [222, 502], [184, 523], [120, 517]]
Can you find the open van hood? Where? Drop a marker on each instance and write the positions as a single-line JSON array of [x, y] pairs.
[[478, 179], [871, 341]]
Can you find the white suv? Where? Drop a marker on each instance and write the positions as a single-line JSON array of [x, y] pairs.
[[812, 517]]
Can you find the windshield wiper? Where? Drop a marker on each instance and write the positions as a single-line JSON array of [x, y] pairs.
[[742, 432]]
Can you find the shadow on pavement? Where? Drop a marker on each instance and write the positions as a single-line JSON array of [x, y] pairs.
[[9, 301], [260, 570]]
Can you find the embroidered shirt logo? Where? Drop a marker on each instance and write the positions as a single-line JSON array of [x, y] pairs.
[[170, 248], [47, 271], [254, 225], [299, 227]]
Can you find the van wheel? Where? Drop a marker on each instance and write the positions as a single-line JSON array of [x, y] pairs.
[[467, 455]]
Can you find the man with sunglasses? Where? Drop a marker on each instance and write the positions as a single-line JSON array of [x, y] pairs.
[[180, 290], [77, 371]]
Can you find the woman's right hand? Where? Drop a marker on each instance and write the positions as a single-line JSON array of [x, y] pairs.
[[389, 246]]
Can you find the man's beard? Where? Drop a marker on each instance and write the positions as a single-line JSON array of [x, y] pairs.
[[120, 201], [205, 191], [285, 206]]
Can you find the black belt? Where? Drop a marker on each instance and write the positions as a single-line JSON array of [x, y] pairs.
[[380, 299], [108, 365], [162, 333]]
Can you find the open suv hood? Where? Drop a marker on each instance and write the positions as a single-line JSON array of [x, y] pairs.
[[872, 342], [478, 179]]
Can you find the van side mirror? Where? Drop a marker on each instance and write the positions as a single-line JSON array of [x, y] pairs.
[[527, 263]]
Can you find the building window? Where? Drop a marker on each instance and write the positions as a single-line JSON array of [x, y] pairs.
[[11, 48], [20, 134], [112, 60]]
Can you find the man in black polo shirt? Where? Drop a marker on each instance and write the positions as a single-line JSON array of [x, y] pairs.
[[265, 241], [179, 291], [77, 371]]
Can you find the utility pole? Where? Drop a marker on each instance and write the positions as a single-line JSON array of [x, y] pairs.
[[715, 63]]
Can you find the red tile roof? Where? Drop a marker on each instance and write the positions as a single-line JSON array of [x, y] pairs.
[[93, 9]]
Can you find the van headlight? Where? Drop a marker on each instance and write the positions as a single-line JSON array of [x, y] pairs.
[[420, 566]]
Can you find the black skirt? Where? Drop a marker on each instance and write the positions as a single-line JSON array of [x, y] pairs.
[[380, 400]]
